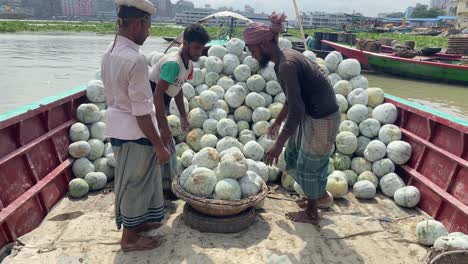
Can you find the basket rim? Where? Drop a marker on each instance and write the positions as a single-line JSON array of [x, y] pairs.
[[188, 197]]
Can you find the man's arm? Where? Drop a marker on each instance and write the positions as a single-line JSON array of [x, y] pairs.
[[139, 93], [179, 100]]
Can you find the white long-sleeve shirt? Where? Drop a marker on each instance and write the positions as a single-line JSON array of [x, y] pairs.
[[128, 92]]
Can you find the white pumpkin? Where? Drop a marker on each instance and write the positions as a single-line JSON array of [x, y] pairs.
[[287, 182], [95, 91], [428, 231], [261, 128], [268, 73], [261, 114], [369, 176], [273, 174], [358, 113], [96, 180], [235, 46], [337, 184], [181, 148], [187, 158], [360, 165], [386, 113], [298, 189], [362, 145], [358, 96], [332, 61], [193, 139], [390, 183], [334, 78], [375, 151], [389, 133], [246, 136], [243, 56], [280, 98], [349, 68], [242, 73], [256, 83], [376, 97], [217, 114], [359, 82], [231, 62], [275, 109], [227, 143], [258, 167], [343, 87], [197, 78], [266, 142], [208, 100], [341, 162], [364, 189], [227, 128], [201, 182], [342, 103], [78, 188], [210, 126], [188, 91], [447, 243], [81, 167], [225, 82], [101, 165], [235, 96], [197, 117], [383, 167], [211, 78], [232, 166], [242, 125], [369, 127], [349, 126], [97, 149], [253, 150], [268, 98], [217, 51], [273, 88], [207, 158], [284, 43], [88, 113], [252, 63], [250, 184], [243, 113], [201, 61], [255, 100], [399, 152], [208, 140], [214, 64], [79, 149], [174, 125], [346, 143], [79, 132], [223, 105], [310, 55], [351, 177], [408, 196]]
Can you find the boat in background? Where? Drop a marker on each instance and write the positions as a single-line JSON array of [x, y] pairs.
[[441, 69]]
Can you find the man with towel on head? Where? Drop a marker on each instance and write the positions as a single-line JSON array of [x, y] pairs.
[[311, 112], [167, 77], [132, 128]]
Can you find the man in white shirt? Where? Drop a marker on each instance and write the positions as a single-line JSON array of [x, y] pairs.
[[132, 128]]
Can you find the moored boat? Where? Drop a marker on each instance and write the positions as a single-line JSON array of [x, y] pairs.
[[35, 167], [434, 68]]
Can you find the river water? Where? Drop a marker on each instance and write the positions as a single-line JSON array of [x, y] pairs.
[[34, 66]]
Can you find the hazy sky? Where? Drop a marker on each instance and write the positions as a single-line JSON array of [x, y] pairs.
[[367, 7]]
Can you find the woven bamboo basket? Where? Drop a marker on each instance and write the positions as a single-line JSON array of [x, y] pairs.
[[214, 207]]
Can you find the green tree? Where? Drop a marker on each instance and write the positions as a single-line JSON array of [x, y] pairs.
[[422, 11]]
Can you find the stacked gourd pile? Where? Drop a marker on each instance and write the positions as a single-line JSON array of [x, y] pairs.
[[231, 104], [368, 145], [95, 162]]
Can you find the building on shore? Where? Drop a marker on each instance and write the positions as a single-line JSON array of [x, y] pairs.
[[442, 4], [325, 20], [78, 8], [196, 14], [462, 14], [106, 10], [409, 11], [421, 22], [15, 9], [451, 8]]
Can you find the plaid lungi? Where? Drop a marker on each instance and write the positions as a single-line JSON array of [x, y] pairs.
[[308, 153]]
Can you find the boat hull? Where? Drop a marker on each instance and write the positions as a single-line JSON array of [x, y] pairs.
[[35, 167], [412, 68]]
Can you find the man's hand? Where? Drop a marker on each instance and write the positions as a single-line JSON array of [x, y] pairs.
[[185, 125], [272, 155], [162, 154], [274, 130], [166, 137]]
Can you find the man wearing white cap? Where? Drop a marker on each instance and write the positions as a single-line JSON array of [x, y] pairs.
[[132, 128]]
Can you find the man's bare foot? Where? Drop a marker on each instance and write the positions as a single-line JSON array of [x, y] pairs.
[[302, 203], [303, 217], [140, 244], [148, 226]]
